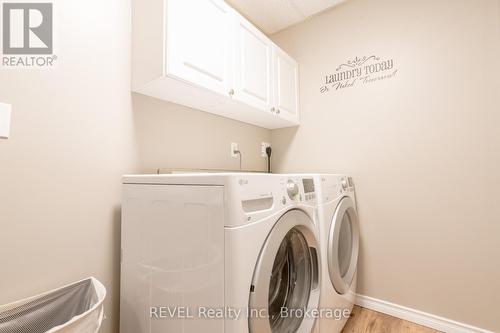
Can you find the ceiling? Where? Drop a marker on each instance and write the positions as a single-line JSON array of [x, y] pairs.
[[274, 15]]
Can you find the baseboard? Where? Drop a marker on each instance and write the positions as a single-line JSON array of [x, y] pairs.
[[416, 316]]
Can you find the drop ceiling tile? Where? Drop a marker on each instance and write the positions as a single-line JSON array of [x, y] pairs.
[[274, 15]]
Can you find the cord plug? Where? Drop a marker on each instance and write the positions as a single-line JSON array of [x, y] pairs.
[[268, 153]]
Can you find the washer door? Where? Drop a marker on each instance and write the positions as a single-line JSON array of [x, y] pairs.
[[286, 277], [343, 246]]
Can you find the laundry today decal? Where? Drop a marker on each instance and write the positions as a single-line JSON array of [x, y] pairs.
[[359, 71]]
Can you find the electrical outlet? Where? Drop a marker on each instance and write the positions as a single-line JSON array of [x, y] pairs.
[[234, 150], [263, 147], [5, 111]]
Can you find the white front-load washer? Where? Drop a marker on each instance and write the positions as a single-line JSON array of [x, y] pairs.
[[339, 248], [219, 253]]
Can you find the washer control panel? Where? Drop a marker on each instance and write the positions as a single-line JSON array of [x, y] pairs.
[[309, 190], [299, 189]]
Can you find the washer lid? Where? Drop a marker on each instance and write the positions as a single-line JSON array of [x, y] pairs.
[[343, 246], [286, 277]]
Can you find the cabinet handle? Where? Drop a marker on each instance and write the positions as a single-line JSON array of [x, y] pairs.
[[231, 92]]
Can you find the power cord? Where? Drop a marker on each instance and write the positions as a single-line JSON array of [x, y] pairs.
[[268, 153]]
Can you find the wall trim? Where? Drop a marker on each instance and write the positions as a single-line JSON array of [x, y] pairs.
[[416, 316]]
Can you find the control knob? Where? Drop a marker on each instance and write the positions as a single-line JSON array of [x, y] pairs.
[[292, 189]]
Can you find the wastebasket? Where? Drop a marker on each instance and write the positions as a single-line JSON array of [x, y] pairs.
[[75, 308]]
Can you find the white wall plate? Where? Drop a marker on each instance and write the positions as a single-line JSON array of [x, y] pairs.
[[5, 115]]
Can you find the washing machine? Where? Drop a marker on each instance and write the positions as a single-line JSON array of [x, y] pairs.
[[339, 247], [216, 253]]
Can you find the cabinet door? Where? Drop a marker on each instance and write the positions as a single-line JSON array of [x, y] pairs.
[[286, 85], [253, 71], [199, 42]]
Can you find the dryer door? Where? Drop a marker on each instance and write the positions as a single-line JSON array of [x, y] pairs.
[[286, 277], [343, 246]]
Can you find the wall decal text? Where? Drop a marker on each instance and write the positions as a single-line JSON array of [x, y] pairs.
[[362, 70]]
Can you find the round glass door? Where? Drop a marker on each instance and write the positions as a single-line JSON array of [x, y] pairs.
[[343, 246], [286, 277], [291, 280]]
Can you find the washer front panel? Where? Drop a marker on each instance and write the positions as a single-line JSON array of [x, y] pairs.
[[286, 276]]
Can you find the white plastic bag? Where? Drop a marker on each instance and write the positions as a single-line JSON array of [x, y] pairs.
[[75, 308]]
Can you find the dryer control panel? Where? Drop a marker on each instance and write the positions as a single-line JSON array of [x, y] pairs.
[[331, 187], [346, 184]]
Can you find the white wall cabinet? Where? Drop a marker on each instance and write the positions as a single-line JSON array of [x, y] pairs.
[[286, 76], [203, 54], [253, 71], [199, 44]]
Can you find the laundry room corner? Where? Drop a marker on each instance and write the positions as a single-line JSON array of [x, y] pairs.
[[421, 140]]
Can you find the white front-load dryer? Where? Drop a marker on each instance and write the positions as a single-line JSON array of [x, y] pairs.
[[339, 244], [244, 244]]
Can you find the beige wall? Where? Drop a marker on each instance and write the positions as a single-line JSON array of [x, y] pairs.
[[72, 137], [75, 131], [171, 136], [424, 147]]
